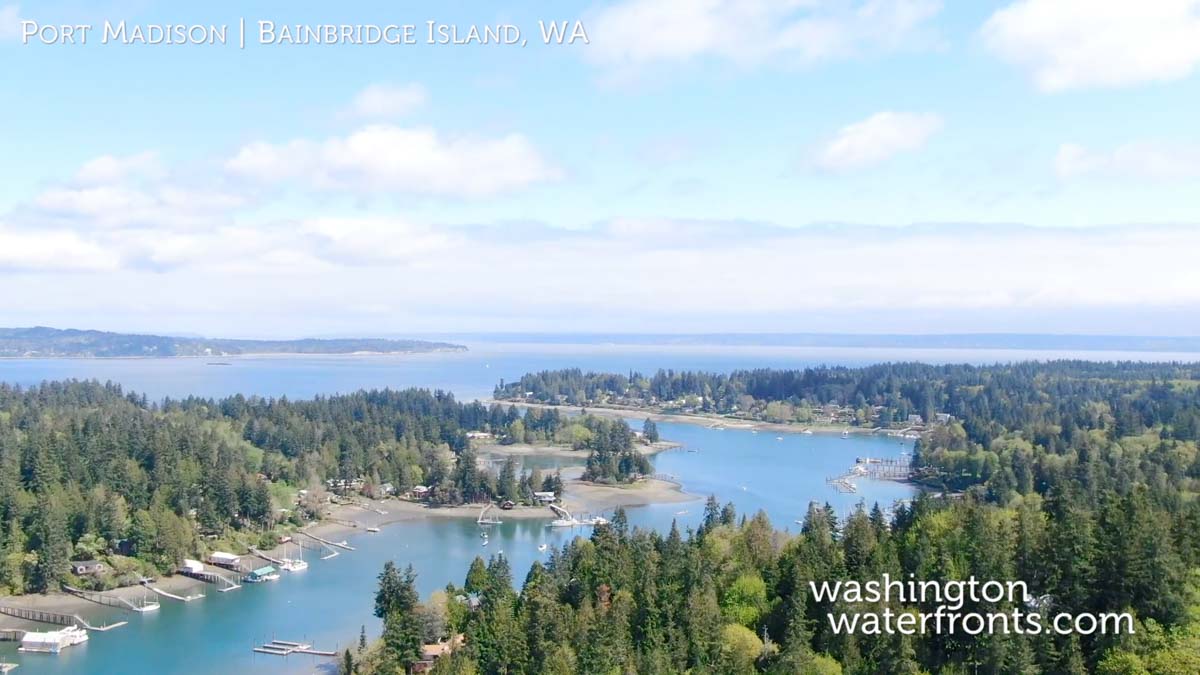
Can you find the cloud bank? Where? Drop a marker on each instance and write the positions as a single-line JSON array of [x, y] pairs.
[[1075, 44], [635, 33]]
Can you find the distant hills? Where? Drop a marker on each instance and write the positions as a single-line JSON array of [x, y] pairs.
[[40, 341], [1020, 341]]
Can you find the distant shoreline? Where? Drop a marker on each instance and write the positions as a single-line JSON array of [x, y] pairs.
[[79, 357], [710, 420]]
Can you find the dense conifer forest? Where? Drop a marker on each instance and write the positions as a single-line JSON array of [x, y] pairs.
[[88, 470], [1080, 479]]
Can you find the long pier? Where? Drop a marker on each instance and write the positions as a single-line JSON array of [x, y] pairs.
[[264, 556], [58, 618], [223, 582], [885, 469], [110, 600], [181, 598], [324, 549], [338, 544]]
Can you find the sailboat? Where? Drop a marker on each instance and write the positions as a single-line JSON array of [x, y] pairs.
[[294, 564]]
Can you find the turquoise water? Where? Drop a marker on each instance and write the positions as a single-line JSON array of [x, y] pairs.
[[327, 604]]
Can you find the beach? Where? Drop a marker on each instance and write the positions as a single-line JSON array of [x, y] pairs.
[[709, 420]]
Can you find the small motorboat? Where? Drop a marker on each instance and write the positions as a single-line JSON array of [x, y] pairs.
[[541, 548]]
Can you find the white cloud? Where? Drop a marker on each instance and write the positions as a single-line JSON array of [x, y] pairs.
[[1142, 160], [49, 251], [749, 32], [877, 139], [115, 192], [385, 100], [1069, 44], [376, 240], [10, 23], [111, 169], [386, 158]]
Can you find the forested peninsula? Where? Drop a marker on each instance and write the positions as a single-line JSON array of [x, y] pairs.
[[1079, 479], [42, 342], [88, 471]]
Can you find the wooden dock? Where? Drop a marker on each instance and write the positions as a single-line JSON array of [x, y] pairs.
[[264, 556], [287, 648], [110, 600], [58, 618], [339, 544], [886, 469], [223, 583]]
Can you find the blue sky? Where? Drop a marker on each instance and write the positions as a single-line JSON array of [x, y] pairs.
[[816, 165]]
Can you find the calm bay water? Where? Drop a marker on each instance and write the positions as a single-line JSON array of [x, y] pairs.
[[327, 604]]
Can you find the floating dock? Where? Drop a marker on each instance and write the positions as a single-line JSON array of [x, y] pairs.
[[287, 648]]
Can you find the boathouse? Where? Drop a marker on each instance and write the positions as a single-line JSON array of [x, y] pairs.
[[52, 642], [224, 559], [262, 574]]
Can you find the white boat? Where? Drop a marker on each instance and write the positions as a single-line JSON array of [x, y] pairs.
[[541, 548], [372, 529], [484, 542], [779, 438], [845, 433], [294, 564], [807, 432]]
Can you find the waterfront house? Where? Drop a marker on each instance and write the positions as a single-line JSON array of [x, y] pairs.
[[224, 559], [545, 497], [86, 567], [192, 566], [430, 653], [420, 491]]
